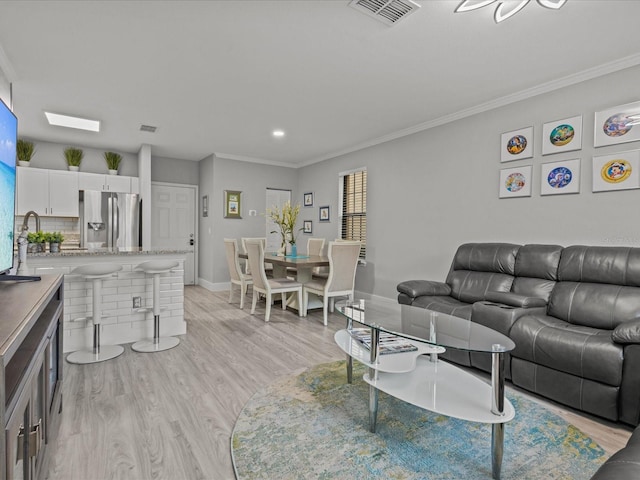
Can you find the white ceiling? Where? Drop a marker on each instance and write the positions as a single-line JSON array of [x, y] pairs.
[[219, 76]]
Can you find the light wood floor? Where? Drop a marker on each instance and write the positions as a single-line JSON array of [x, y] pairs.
[[169, 415]]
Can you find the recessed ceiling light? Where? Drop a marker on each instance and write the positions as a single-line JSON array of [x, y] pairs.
[[278, 133], [72, 122]]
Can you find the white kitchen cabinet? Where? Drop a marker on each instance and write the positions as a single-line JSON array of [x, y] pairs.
[[105, 183], [52, 193]]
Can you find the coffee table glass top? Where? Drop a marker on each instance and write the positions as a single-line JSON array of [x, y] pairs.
[[414, 323]]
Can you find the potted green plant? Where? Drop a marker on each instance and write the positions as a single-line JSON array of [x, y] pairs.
[[74, 158], [24, 151], [113, 160], [36, 242], [54, 239]]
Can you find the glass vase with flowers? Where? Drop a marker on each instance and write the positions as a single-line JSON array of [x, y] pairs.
[[285, 217]]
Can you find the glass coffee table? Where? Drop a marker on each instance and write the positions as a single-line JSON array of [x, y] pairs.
[[417, 376]]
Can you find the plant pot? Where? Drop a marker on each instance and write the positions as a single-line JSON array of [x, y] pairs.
[[54, 247], [24, 163], [36, 248], [113, 172], [73, 168]]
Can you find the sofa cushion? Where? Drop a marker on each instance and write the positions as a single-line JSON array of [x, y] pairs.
[[478, 268], [515, 300], [578, 350], [627, 332], [536, 270], [416, 288], [597, 305], [445, 305], [486, 257], [613, 265]]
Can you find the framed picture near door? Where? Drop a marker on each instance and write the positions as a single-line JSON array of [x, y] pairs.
[[232, 204]]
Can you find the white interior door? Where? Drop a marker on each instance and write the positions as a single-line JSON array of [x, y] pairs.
[[173, 222], [275, 198]]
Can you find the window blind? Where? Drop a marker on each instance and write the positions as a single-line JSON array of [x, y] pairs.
[[354, 208]]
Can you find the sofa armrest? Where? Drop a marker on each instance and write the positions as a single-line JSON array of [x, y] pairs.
[[418, 288], [515, 300], [627, 332]]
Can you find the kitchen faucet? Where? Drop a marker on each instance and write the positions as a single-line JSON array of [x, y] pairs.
[[25, 223], [22, 241]]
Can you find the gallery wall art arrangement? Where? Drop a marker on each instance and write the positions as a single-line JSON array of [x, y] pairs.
[[615, 171]]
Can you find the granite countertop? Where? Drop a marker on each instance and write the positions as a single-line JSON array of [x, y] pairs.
[[109, 251]]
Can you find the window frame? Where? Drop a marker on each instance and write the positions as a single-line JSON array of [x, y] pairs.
[[341, 206]]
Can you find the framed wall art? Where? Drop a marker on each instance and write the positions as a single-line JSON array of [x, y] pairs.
[[307, 227], [619, 124], [324, 214], [619, 171], [515, 182], [232, 204], [205, 205], [562, 135], [557, 178], [516, 145], [308, 199]]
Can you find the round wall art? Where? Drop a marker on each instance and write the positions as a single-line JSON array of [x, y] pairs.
[[517, 144], [515, 182], [561, 135], [617, 125], [559, 177], [616, 171]]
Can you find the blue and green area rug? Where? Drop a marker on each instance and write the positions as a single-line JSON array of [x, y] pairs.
[[315, 426]]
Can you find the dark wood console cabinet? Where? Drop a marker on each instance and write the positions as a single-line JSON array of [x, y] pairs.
[[31, 335]]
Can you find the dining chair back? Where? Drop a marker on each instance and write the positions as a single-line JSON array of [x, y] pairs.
[[315, 246], [269, 286], [268, 267], [343, 262], [235, 272]]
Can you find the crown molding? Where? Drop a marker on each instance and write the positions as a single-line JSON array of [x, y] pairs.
[[588, 74], [242, 158]]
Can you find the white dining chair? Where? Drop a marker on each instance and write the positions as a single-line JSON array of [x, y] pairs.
[[235, 272], [268, 267], [269, 286], [314, 247], [343, 260]]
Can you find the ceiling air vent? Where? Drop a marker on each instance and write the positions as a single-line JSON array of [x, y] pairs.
[[147, 128], [387, 11]]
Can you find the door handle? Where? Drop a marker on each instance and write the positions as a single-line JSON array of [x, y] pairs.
[[191, 242]]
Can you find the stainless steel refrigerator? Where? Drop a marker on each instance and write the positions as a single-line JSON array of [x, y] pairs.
[[110, 220]]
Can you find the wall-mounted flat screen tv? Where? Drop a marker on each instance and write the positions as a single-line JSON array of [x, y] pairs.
[[8, 140]]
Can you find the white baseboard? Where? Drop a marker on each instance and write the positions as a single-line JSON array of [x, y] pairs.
[[214, 287]]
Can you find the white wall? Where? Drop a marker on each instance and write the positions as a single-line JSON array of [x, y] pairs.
[[220, 174], [173, 170], [431, 191]]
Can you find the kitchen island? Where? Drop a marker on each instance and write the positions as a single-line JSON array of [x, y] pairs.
[[123, 323]]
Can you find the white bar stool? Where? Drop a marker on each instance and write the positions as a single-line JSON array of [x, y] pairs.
[[157, 343], [96, 273]]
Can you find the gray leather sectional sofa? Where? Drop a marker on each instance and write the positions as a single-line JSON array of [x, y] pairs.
[[573, 312]]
